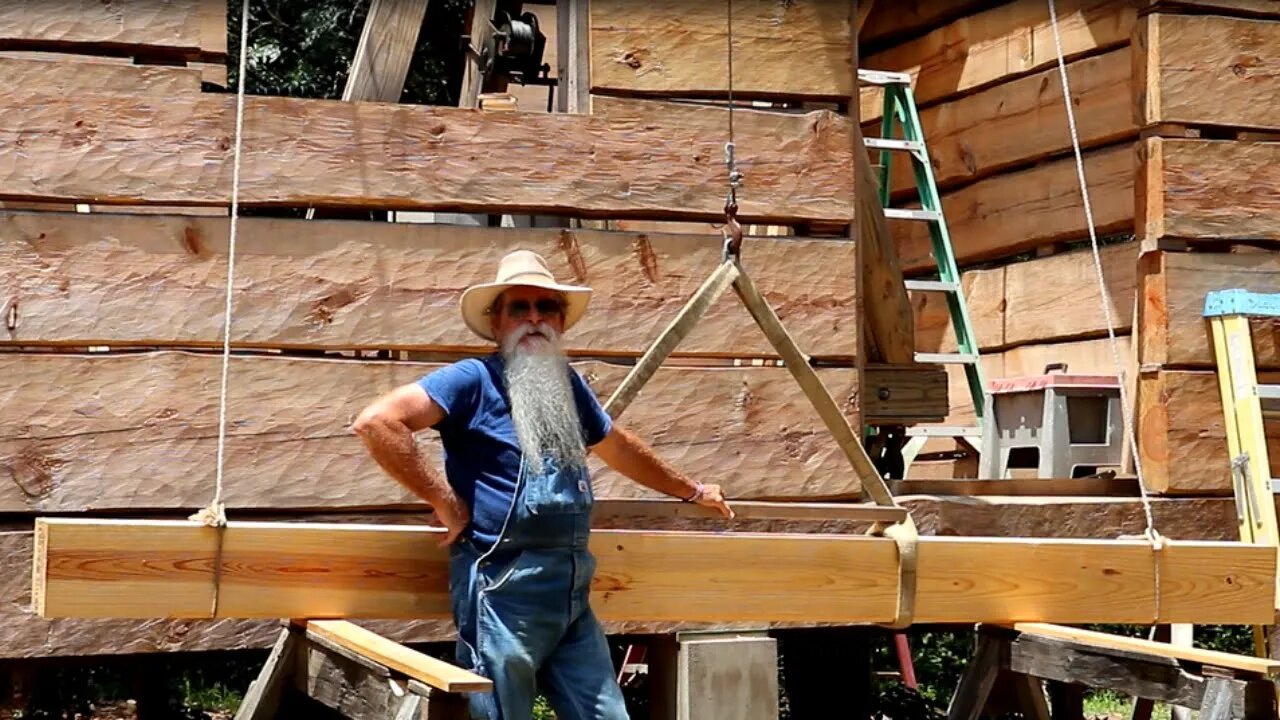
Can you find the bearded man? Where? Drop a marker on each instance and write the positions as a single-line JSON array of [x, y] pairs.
[[516, 496]]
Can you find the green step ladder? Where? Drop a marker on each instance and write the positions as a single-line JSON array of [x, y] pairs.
[[900, 112]]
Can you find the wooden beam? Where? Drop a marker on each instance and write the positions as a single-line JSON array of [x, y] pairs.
[[1174, 286], [1015, 212], [753, 510], [1206, 190], [419, 666], [1002, 43], [49, 73], [636, 49], [882, 294], [434, 158], [1009, 306], [892, 21], [122, 568], [382, 58], [98, 427], [1264, 667], [187, 28], [345, 284], [1243, 8], [573, 57], [1180, 56], [1021, 122], [481, 31], [1181, 436]]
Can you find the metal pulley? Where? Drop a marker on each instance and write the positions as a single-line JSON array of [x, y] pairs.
[[516, 49]]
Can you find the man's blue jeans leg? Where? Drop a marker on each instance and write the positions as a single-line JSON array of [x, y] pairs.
[[578, 676]]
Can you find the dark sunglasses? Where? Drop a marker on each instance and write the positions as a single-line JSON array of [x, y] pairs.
[[519, 309]]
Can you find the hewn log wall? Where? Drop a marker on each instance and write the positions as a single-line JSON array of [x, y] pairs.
[[1207, 182]]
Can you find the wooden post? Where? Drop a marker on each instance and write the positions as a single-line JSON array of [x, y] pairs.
[[979, 677], [263, 697]]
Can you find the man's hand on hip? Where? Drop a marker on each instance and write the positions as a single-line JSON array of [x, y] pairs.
[[454, 516]]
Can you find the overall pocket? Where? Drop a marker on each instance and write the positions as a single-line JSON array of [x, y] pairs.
[[558, 491]]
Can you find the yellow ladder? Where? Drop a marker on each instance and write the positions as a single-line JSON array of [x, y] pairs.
[[1245, 403]]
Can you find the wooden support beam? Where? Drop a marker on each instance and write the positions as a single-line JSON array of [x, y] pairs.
[[51, 73], [355, 284], [1022, 122], [481, 32], [1174, 286], [1011, 213], [110, 421], [573, 57], [891, 21], [123, 568], [1208, 190], [1243, 8], [1264, 667], [1181, 436], [881, 293], [440, 159], [262, 699], [416, 665], [1179, 56], [193, 29], [382, 58], [753, 509], [1001, 43], [636, 49]]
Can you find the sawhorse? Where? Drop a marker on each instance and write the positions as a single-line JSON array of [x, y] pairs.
[[1220, 685], [355, 674]]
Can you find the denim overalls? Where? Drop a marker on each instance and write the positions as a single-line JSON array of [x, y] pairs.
[[522, 607]]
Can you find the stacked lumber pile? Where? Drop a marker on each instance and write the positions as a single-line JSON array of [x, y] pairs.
[[1208, 196], [114, 316], [990, 97]]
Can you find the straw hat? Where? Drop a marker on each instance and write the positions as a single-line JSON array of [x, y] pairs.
[[521, 267]]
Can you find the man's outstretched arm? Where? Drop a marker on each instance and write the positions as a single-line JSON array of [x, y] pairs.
[[629, 455], [387, 427]]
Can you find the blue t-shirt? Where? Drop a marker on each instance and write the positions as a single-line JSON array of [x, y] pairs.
[[481, 451]]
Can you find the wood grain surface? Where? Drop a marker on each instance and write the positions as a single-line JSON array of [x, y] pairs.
[[329, 153], [118, 280]]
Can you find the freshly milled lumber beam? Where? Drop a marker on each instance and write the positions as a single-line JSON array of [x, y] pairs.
[[189, 28], [1174, 286], [132, 568], [1206, 190], [161, 280], [419, 666], [1179, 56], [133, 430], [54, 74], [328, 153], [678, 48]]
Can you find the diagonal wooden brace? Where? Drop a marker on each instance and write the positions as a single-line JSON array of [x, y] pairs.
[[712, 288]]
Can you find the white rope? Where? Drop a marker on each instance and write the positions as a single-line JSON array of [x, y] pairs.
[[215, 513], [1157, 542]]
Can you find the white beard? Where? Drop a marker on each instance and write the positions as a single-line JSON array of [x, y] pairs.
[[542, 405]]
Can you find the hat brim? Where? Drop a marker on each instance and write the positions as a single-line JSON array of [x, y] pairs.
[[477, 299]]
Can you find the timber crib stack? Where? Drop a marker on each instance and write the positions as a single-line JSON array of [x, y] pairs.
[[116, 180], [1175, 106]]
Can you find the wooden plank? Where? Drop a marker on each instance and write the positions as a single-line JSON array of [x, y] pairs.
[[414, 664], [473, 81], [1244, 8], [1004, 42], [1142, 677], [751, 509], [123, 568], [105, 279], [1181, 436], [189, 28], [48, 73], [1075, 308], [413, 158], [99, 428], [902, 394], [573, 57], [1010, 306], [344, 685], [881, 295], [1184, 55], [674, 48], [1209, 190], [382, 58], [1014, 212], [1265, 667], [1174, 286], [262, 699], [890, 21], [1020, 122]]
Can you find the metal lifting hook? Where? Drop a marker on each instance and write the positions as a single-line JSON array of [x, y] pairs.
[[732, 228]]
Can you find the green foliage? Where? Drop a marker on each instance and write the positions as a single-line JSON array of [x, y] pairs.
[[304, 48]]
